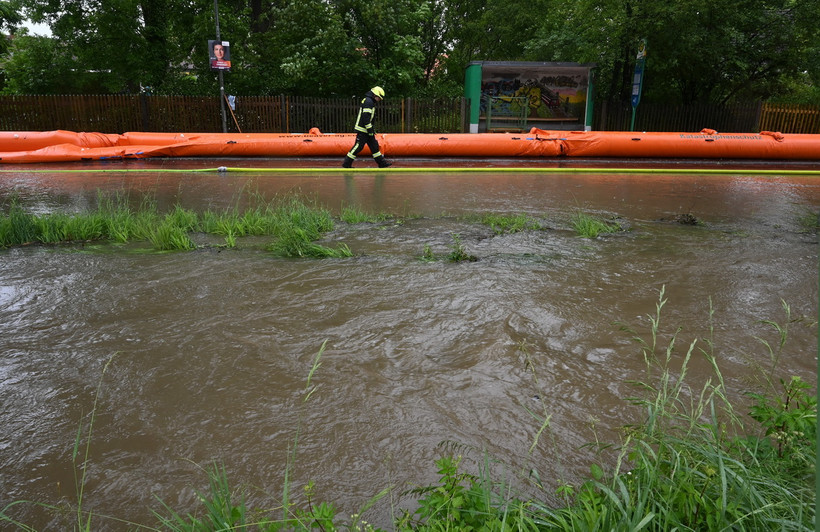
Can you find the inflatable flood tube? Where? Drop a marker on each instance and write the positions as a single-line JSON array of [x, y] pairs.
[[66, 146]]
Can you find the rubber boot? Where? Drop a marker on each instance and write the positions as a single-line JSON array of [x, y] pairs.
[[382, 162], [348, 162]]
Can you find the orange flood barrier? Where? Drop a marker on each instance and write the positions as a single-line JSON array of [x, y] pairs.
[[66, 146]]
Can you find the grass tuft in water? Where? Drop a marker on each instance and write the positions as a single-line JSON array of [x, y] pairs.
[[170, 237], [511, 224], [296, 242], [18, 227], [458, 253], [80, 457], [294, 223], [427, 254], [589, 226]]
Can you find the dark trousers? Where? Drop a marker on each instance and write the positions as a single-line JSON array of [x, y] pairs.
[[362, 140]]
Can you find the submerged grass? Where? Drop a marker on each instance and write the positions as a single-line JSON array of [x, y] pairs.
[[589, 226], [501, 224], [294, 224]]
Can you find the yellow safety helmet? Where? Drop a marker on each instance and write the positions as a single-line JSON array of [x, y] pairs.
[[378, 91]]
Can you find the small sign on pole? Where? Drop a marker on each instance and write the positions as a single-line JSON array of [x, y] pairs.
[[637, 80], [220, 55]]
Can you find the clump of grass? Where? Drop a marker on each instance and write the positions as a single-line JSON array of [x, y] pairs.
[[427, 254], [297, 226], [170, 237], [295, 242], [18, 227], [458, 253], [501, 224], [294, 223], [589, 226], [463, 501]]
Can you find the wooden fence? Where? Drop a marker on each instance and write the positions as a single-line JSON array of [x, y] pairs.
[[742, 117], [297, 114], [256, 114], [692, 118], [790, 118]]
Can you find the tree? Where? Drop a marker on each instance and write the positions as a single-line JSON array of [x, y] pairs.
[[387, 34], [10, 17], [37, 65], [303, 49], [697, 50], [489, 30]]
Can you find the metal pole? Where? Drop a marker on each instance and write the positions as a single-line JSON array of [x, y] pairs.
[[221, 75]]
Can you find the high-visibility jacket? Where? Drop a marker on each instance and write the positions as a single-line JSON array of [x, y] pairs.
[[367, 109]]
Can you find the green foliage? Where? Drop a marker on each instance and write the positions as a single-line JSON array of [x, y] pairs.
[[9, 17], [427, 255], [37, 65], [789, 420], [297, 225], [458, 252], [685, 467], [511, 224], [296, 242], [464, 502], [590, 226], [416, 47], [170, 237], [294, 224], [221, 513], [457, 501], [18, 227]]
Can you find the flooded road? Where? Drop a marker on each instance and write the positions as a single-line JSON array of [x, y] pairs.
[[208, 351]]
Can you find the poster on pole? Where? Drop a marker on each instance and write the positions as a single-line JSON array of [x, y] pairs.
[[220, 55]]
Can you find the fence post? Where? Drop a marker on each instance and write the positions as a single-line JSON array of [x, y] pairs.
[[285, 113], [758, 115], [146, 124], [408, 115]]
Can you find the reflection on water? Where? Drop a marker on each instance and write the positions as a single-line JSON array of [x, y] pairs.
[[211, 349]]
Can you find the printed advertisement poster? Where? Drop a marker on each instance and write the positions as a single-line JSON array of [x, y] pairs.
[[220, 55]]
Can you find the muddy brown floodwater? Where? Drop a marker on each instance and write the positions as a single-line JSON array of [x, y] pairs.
[[209, 351]]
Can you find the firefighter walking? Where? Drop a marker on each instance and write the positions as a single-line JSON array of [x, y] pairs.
[[365, 133]]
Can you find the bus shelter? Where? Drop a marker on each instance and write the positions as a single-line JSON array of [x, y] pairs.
[[519, 95]]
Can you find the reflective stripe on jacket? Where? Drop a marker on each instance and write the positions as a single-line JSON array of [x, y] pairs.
[[364, 122]]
